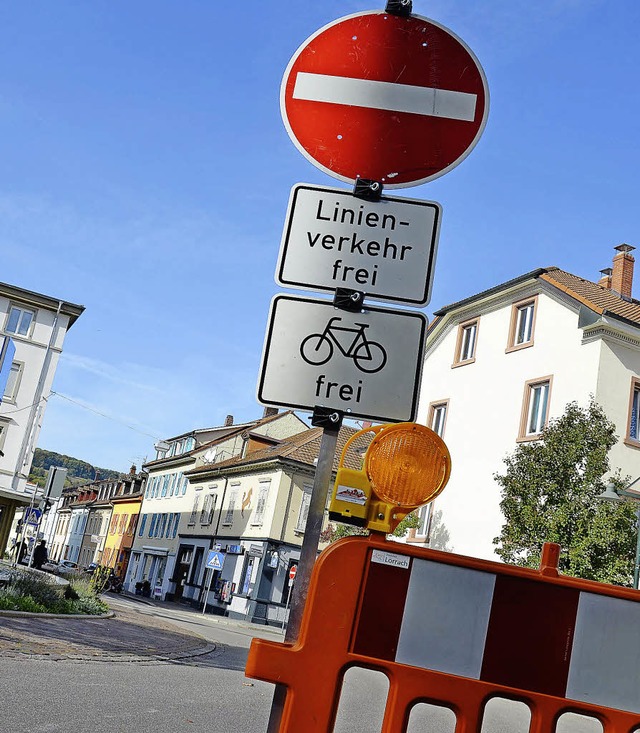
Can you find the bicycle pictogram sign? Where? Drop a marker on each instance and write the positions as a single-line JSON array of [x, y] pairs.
[[318, 348]]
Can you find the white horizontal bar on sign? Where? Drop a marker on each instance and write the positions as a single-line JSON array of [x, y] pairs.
[[385, 95]]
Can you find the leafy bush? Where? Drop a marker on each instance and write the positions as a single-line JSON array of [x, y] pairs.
[[9, 602], [30, 584], [28, 591], [90, 605]]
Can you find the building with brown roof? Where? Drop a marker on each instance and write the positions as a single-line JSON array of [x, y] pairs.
[[501, 363], [169, 500], [83, 518], [252, 509]]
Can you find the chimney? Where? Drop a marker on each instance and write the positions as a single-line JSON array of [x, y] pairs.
[[270, 411], [622, 277], [228, 421], [605, 280], [133, 470]]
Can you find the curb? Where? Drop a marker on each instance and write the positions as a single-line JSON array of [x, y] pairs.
[[125, 657], [20, 614]]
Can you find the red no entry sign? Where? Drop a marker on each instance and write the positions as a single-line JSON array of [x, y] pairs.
[[292, 572], [396, 100]]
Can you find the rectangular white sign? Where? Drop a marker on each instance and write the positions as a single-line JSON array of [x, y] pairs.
[[390, 558], [384, 248], [364, 364]]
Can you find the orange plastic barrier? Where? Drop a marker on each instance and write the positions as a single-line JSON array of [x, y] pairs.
[[457, 631]]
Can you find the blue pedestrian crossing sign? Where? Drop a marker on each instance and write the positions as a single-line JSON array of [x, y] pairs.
[[215, 560]]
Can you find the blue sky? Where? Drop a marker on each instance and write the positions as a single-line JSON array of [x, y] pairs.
[[145, 173]]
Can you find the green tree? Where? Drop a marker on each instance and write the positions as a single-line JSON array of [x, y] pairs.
[[79, 471], [549, 494]]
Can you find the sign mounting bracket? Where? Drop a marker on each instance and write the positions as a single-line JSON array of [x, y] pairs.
[[348, 300], [367, 189], [327, 418], [402, 8]]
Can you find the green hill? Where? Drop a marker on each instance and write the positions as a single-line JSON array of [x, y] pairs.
[[79, 472]]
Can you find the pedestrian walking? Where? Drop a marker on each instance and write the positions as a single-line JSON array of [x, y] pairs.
[[21, 551], [40, 555]]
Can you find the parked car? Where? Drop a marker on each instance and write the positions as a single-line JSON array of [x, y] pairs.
[[64, 567], [91, 568], [67, 566]]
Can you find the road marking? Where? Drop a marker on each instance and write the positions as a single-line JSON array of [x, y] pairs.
[[385, 95]]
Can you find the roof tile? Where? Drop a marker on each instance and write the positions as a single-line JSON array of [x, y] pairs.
[[597, 297]]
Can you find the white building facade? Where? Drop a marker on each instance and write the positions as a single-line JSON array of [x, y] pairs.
[[500, 364], [37, 324], [169, 502], [253, 513]]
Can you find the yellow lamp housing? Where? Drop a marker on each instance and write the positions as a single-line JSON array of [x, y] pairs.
[[406, 465]]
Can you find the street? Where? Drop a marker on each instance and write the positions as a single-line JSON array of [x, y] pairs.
[[204, 693]]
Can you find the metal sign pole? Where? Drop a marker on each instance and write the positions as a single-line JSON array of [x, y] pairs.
[[331, 421], [23, 532], [204, 604]]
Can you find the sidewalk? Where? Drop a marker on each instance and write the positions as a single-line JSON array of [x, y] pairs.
[[189, 611], [140, 632]]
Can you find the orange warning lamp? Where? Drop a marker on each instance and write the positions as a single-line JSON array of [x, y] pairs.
[[406, 465]]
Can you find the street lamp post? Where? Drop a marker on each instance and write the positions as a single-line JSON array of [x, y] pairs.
[[611, 493]]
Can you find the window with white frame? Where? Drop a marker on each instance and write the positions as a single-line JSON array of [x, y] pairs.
[[633, 430], [424, 517], [304, 509], [535, 412], [438, 416], [522, 324], [466, 343], [13, 382], [185, 482], [233, 499], [263, 493], [19, 320]]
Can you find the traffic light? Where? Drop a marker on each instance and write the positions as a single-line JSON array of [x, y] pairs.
[[406, 465]]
